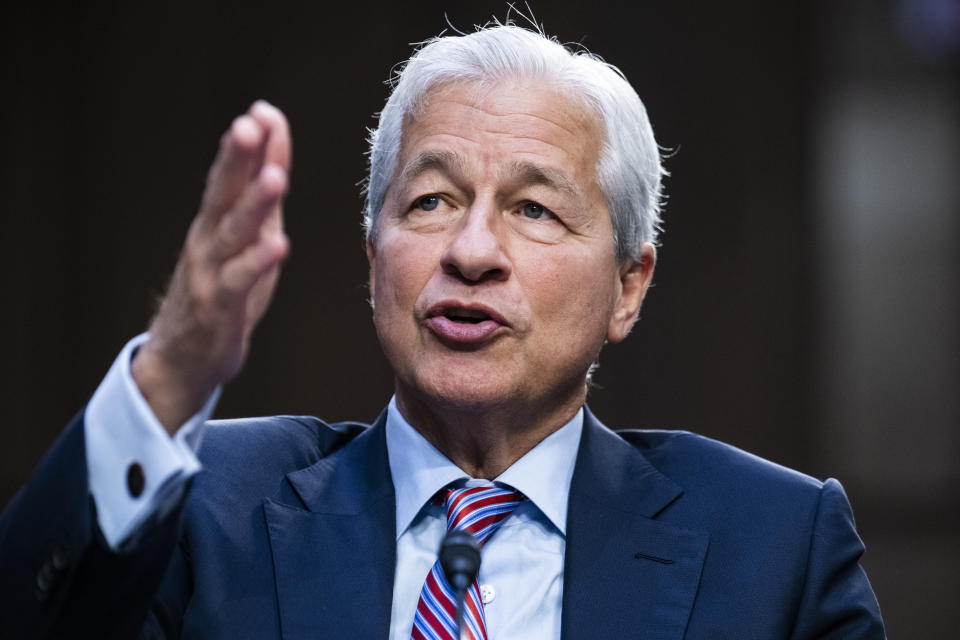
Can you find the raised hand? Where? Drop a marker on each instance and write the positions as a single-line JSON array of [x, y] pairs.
[[226, 273]]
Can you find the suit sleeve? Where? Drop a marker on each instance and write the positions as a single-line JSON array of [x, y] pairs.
[[837, 602], [58, 576], [121, 432]]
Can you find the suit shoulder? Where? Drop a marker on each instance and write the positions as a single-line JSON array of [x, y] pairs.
[[684, 455], [724, 488], [268, 446]]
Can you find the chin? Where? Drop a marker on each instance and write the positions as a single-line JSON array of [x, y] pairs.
[[465, 388]]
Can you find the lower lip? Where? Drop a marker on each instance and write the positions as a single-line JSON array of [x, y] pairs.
[[462, 332]]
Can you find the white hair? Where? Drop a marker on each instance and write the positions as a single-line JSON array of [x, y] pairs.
[[629, 171]]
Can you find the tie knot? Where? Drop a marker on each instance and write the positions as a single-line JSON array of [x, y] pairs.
[[480, 510]]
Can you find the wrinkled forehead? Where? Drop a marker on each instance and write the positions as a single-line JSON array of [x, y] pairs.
[[508, 107], [496, 93]]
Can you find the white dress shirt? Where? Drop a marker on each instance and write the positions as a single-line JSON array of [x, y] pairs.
[[522, 564], [521, 575]]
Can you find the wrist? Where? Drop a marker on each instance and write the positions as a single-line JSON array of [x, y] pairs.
[[172, 393]]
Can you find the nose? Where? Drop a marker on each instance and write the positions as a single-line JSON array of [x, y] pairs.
[[475, 252]]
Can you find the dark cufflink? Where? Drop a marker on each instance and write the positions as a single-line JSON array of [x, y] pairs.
[[136, 479]]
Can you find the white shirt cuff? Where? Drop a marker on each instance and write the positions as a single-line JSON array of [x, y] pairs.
[[121, 431]]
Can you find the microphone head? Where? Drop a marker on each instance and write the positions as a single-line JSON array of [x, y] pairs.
[[460, 559]]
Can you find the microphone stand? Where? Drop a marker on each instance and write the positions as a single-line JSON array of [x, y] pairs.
[[460, 561]]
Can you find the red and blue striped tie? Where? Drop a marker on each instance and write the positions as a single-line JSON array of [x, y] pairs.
[[479, 510]]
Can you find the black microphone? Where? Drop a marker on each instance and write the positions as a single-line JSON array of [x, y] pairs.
[[460, 561]]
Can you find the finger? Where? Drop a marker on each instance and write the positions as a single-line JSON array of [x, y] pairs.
[[277, 148], [238, 160], [243, 271], [274, 123], [242, 225]]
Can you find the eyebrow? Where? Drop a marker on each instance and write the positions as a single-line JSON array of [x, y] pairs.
[[443, 161], [530, 173]]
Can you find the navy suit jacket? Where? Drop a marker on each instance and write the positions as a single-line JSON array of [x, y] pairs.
[[289, 532]]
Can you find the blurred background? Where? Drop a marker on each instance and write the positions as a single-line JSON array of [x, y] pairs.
[[806, 304]]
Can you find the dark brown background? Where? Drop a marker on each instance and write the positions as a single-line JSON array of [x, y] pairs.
[[111, 115]]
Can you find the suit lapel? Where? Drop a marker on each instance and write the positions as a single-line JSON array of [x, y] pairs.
[[626, 574], [334, 560]]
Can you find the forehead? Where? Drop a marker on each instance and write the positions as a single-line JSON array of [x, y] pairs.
[[510, 123]]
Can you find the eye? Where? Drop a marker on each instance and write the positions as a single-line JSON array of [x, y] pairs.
[[427, 203], [535, 211]]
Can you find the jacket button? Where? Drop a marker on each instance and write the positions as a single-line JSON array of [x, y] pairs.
[[46, 578], [44, 582], [136, 480], [60, 557], [51, 570]]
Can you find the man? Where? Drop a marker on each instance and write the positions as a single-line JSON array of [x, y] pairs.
[[511, 216]]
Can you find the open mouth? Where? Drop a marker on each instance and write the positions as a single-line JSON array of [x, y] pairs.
[[466, 316], [465, 325]]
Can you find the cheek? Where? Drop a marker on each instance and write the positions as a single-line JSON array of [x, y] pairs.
[[393, 301], [402, 269], [572, 315], [391, 289], [572, 298]]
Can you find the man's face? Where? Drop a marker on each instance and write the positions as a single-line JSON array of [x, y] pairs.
[[493, 273]]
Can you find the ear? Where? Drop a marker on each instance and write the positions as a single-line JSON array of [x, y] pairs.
[[372, 261], [635, 277]]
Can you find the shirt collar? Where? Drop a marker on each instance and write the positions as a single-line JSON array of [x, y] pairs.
[[419, 470]]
